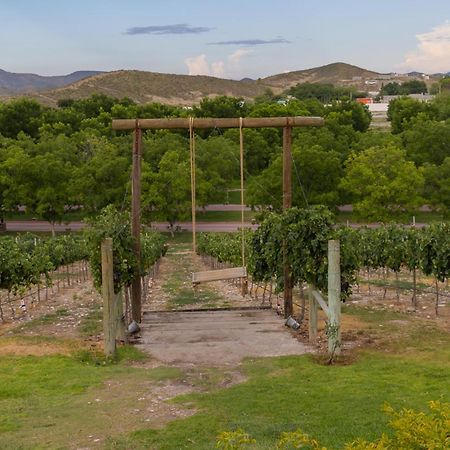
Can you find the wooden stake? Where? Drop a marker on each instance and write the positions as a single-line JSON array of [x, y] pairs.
[[334, 298], [136, 223], [312, 316], [109, 325], [287, 203]]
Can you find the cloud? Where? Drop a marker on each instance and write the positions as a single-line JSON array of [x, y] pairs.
[[198, 65], [252, 42], [433, 51], [235, 57], [179, 28]]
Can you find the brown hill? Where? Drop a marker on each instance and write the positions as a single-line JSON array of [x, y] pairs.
[[335, 73], [145, 87]]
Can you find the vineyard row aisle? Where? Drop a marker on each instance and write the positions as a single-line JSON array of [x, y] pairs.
[[175, 334]]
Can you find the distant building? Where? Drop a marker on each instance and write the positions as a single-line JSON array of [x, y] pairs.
[[365, 100]]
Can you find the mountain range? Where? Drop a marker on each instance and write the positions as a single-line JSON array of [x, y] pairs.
[[144, 87]]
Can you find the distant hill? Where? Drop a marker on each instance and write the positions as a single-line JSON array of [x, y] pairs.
[[144, 87], [28, 82], [331, 73]]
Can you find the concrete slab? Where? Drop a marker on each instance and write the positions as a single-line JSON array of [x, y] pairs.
[[217, 338]]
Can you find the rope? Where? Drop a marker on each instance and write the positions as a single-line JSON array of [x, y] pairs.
[[192, 159], [241, 151]]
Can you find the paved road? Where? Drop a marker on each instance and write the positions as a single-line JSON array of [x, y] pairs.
[[39, 225]]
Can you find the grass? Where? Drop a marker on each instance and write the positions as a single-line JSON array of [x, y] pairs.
[[46, 319], [178, 285], [333, 404], [421, 217], [49, 401], [53, 401], [91, 325]]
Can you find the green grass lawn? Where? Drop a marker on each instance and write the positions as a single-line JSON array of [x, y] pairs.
[[334, 404], [64, 401]]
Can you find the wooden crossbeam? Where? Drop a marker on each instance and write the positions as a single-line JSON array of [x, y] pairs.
[[220, 274], [211, 122], [321, 301]]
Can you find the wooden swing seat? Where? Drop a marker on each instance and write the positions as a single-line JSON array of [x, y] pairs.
[[220, 274]]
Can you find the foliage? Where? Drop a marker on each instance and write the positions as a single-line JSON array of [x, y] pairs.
[[233, 440], [383, 183], [325, 92], [412, 430], [406, 88], [116, 225], [25, 258]]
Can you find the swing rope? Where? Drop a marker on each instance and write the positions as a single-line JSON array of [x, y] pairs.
[[192, 160], [193, 188], [241, 152]]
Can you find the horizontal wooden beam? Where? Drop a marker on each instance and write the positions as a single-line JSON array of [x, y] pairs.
[[219, 274], [208, 122]]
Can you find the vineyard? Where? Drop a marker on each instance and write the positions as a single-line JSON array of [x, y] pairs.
[[385, 250], [31, 266]]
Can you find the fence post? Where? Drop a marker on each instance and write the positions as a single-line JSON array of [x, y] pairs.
[[334, 298], [109, 324], [312, 316], [119, 316]]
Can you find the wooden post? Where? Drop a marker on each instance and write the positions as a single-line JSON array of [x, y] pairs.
[[119, 316], [287, 203], [312, 316], [334, 298], [109, 330], [136, 223]]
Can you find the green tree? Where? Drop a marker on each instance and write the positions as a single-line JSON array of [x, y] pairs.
[[383, 184], [437, 185], [20, 115], [45, 181], [427, 141], [102, 177], [315, 179], [403, 109]]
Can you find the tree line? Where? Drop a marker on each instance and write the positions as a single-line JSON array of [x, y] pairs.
[[54, 160]]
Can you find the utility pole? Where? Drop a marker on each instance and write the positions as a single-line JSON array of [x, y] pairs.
[[287, 203], [136, 290]]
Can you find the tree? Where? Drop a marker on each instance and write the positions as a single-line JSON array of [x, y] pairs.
[[102, 177], [437, 185], [45, 181], [166, 192], [221, 106], [20, 115], [383, 184], [427, 141], [315, 180], [402, 110], [352, 113]]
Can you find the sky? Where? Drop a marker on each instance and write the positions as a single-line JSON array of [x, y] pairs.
[[229, 39]]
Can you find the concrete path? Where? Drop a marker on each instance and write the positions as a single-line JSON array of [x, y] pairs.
[[217, 338]]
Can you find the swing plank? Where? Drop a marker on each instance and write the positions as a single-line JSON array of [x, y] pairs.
[[220, 274]]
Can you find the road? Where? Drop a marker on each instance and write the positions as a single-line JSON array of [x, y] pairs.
[[41, 226]]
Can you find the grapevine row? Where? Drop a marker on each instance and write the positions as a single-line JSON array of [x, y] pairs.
[[304, 235]]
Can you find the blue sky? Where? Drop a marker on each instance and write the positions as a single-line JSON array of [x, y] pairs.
[[231, 39]]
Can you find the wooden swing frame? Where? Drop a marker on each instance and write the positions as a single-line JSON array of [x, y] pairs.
[[287, 123]]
